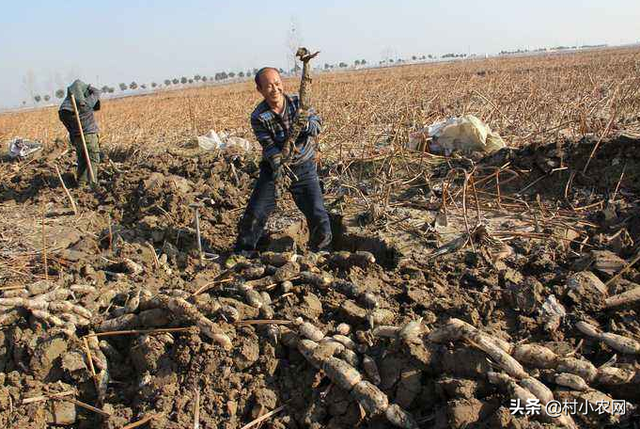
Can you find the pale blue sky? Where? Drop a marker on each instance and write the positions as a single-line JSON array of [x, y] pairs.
[[121, 41]]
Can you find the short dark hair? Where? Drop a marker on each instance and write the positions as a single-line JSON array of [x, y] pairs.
[[262, 70]]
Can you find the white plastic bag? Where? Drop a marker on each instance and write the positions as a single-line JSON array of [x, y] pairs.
[[238, 142], [466, 134], [213, 141], [19, 147], [210, 141]]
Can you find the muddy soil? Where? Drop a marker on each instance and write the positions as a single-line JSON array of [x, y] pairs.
[[134, 239]]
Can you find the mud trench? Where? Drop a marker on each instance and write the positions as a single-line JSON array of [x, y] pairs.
[[424, 316], [386, 255]]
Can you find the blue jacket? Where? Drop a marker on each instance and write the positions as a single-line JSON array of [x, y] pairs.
[[271, 129]]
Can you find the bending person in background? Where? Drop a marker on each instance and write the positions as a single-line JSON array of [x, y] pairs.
[[87, 101]]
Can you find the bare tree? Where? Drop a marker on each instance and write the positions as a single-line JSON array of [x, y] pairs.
[[386, 55], [50, 85], [29, 84], [294, 41]]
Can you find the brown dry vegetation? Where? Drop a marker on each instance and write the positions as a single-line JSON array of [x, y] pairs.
[[530, 99]]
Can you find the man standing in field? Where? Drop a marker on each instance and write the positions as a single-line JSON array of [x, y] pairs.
[[272, 121], [87, 101]]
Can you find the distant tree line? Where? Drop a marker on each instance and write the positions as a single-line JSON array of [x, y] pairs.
[[555, 48], [451, 55], [201, 78], [183, 80]]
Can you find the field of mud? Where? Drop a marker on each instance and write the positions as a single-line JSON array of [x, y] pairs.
[[455, 286]]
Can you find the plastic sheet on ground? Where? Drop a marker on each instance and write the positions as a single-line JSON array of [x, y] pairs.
[[214, 141], [465, 134], [22, 148]]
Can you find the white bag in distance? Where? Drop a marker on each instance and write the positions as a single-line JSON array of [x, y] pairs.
[[466, 134], [213, 141], [210, 141], [20, 147]]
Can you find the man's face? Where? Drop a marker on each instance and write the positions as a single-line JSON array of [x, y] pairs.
[[271, 87]]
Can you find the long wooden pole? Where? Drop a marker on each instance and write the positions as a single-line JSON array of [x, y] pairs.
[[66, 191], [92, 178]]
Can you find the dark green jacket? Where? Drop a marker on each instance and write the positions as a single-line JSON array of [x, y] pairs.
[[87, 100]]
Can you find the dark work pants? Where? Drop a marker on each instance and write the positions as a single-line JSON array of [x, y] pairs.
[[305, 189], [93, 150]]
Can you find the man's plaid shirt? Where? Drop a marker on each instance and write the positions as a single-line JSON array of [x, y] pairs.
[[272, 129]]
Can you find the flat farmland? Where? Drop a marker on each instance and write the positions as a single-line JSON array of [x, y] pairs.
[[526, 99]]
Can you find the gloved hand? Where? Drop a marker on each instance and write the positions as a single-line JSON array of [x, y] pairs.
[[275, 162], [303, 118]]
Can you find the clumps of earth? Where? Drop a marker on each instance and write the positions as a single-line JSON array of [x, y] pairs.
[[412, 321]]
